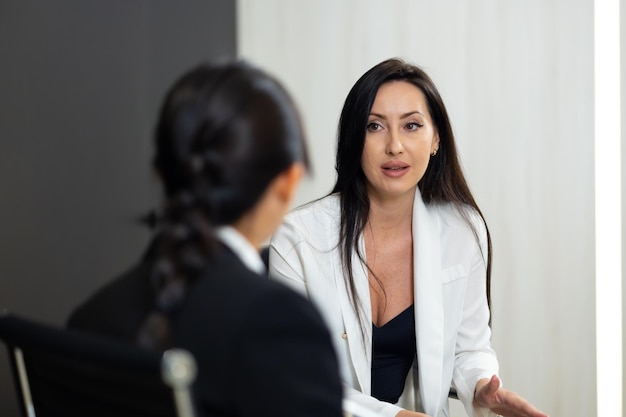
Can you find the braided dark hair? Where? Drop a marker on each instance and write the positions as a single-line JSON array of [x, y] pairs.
[[225, 131]]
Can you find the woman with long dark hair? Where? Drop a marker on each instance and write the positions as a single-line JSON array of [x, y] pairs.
[[229, 152], [398, 256]]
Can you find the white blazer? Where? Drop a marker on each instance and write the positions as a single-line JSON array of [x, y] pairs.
[[451, 313]]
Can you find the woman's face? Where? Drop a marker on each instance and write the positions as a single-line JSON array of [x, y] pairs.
[[399, 140]]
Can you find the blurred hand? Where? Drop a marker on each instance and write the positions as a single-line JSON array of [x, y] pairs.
[[502, 401], [407, 413]]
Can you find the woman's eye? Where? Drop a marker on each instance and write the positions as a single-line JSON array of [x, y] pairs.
[[413, 126], [373, 127]]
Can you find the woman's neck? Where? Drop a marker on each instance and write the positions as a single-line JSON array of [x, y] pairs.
[[391, 213]]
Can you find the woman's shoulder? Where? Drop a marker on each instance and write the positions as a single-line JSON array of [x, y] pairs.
[[461, 226], [316, 223], [457, 215], [324, 206], [316, 215], [230, 289]]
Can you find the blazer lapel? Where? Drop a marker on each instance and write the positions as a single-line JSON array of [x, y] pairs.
[[429, 319], [360, 348]]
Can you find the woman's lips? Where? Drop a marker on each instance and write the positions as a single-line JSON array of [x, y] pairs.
[[394, 169]]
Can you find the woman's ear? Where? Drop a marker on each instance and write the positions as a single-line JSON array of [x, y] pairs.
[[287, 182], [435, 144], [263, 219]]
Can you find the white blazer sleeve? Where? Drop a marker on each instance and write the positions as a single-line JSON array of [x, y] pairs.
[[284, 265], [475, 359], [381, 408]]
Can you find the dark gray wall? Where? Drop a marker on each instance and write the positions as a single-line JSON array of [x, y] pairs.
[[80, 86]]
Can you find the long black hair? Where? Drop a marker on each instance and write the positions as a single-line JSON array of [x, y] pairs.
[[443, 180], [224, 132]]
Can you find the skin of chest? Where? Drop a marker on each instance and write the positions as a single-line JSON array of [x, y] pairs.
[[390, 275]]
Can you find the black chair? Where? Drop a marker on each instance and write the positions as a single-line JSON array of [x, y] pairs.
[[65, 373]]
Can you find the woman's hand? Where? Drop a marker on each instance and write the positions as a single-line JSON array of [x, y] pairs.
[[407, 413], [507, 403]]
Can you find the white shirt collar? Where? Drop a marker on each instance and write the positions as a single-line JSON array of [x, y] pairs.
[[248, 255]]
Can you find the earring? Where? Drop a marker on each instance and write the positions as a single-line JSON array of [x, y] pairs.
[[434, 152]]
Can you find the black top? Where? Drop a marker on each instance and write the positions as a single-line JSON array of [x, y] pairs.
[[261, 349], [393, 347]]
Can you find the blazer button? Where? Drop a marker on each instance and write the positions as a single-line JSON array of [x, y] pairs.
[[344, 336]]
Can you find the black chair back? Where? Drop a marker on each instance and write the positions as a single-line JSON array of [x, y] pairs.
[[65, 373]]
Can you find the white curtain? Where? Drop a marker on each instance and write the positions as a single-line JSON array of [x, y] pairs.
[[517, 78]]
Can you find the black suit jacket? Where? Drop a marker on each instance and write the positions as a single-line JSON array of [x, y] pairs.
[[262, 350]]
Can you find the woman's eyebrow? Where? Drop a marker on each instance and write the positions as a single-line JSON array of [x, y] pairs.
[[402, 116]]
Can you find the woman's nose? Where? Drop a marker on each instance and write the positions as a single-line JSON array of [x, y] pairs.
[[394, 143]]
